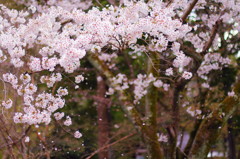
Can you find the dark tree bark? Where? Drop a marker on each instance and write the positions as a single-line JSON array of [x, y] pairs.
[[231, 142], [103, 120]]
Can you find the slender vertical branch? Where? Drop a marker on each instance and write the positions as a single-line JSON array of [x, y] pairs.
[[127, 59], [212, 37], [151, 99], [231, 141], [188, 11], [152, 95], [103, 120]]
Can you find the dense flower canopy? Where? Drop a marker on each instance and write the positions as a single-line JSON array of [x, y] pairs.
[[40, 45]]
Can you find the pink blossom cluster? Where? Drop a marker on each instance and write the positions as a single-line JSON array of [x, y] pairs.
[[212, 61], [140, 84]]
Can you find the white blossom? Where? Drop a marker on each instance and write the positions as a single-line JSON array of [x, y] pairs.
[[187, 75], [162, 138], [79, 79], [68, 121], [7, 104], [27, 139], [77, 135], [58, 116], [169, 71], [231, 94], [62, 91]]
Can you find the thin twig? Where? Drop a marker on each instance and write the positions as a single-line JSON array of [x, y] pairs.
[[17, 141], [108, 145]]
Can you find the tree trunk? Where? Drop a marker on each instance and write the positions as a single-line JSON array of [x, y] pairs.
[[151, 98], [103, 120], [231, 142], [153, 145]]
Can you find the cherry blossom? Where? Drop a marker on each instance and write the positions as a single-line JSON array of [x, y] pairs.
[[77, 135]]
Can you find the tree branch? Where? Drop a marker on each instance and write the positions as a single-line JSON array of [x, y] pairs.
[[212, 37], [112, 2], [17, 141], [188, 11], [191, 53], [109, 145], [210, 128], [151, 99]]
